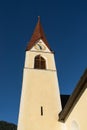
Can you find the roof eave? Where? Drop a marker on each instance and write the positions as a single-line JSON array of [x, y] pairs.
[[63, 115]]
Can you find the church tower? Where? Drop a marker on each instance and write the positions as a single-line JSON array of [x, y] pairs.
[[40, 99]]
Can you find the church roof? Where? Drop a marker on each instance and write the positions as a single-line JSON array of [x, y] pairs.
[[37, 34], [80, 88]]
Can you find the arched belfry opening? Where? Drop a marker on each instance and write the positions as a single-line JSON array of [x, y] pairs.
[[39, 62]]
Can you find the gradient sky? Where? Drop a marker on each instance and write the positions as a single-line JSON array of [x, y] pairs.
[[65, 26]]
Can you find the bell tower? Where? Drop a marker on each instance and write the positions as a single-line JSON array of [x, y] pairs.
[[40, 98]]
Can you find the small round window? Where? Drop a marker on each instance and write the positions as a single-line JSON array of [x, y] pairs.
[[74, 125]]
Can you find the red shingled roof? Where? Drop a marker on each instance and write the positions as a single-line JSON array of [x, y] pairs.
[[37, 34]]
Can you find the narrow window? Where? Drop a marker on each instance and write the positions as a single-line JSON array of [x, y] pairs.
[[41, 111], [39, 62]]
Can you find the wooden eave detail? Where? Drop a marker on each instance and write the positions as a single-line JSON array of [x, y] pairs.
[[80, 88]]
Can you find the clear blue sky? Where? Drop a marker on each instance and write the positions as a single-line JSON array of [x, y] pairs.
[[65, 25]]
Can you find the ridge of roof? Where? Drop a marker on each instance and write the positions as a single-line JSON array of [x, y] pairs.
[[75, 96], [37, 34]]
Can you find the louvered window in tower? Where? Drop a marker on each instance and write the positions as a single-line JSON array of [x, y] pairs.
[[39, 62]]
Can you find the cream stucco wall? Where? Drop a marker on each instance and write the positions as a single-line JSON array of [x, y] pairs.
[[40, 88], [78, 114], [36, 94]]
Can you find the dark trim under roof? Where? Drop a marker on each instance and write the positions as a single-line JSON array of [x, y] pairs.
[[81, 86], [64, 98]]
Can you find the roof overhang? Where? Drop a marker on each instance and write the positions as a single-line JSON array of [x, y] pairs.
[[80, 88]]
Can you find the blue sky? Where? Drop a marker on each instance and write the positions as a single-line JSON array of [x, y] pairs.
[[65, 26]]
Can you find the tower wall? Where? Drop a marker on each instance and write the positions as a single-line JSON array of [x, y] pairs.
[[40, 89]]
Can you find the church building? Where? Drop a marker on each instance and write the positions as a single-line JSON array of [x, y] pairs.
[[41, 104]]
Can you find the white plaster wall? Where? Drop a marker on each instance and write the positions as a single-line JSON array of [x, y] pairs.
[[78, 114], [36, 94], [40, 88]]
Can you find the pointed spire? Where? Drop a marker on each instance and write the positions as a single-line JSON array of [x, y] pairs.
[[37, 34]]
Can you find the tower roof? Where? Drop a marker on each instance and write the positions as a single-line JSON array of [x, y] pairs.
[[37, 34]]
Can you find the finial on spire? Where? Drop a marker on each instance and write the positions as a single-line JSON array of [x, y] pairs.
[[38, 18]]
